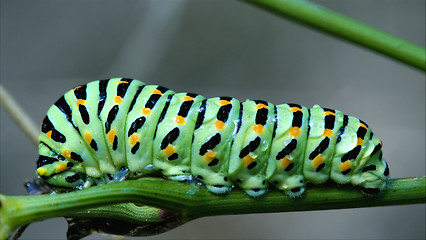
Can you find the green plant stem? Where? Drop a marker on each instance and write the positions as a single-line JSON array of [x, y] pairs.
[[343, 27], [128, 212], [193, 201]]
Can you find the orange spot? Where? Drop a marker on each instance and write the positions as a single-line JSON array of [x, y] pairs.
[[80, 102], [285, 162], [49, 134], [111, 135], [295, 131], [61, 167], [125, 82], [260, 106], [359, 141], [156, 91], [329, 113], [118, 100], [146, 111], [134, 138], [209, 156], [188, 98], [258, 128], [345, 165], [317, 160], [248, 159], [180, 120], [219, 125], [88, 137], [224, 102], [327, 132], [41, 171], [295, 109], [66, 153], [76, 88], [169, 150], [362, 125]]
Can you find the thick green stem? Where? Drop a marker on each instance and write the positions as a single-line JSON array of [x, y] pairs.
[[193, 201], [343, 27]]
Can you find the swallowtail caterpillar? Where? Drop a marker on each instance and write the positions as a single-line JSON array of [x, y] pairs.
[[119, 128]]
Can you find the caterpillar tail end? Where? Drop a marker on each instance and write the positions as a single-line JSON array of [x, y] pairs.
[[375, 182]]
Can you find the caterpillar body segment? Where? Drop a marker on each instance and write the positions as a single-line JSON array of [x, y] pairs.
[[109, 130], [320, 146], [250, 150], [90, 126], [217, 122], [112, 112], [143, 114], [174, 134], [286, 158]]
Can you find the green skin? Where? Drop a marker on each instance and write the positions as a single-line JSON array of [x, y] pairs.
[[219, 168]]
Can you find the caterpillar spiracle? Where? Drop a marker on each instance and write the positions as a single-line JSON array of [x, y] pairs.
[[108, 130]]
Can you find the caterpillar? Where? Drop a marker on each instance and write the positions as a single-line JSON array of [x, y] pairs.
[[111, 130]]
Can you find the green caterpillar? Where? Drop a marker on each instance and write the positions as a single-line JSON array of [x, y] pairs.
[[117, 129]]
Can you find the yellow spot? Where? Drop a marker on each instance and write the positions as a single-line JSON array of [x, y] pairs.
[[146, 111], [156, 91], [248, 159], [224, 102], [118, 100], [61, 167], [359, 141], [345, 165], [88, 137], [258, 128], [41, 171], [111, 135], [295, 109], [66, 153], [295, 131], [219, 125], [80, 102], [209, 156], [260, 106], [317, 160], [134, 138], [125, 82], [327, 132], [285, 162], [188, 98], [329, 113], [169, 150], [49, 134], [180, 120], [362, 125]]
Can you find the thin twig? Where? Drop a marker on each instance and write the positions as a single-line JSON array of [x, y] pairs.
[[19, 115], [337, 25]]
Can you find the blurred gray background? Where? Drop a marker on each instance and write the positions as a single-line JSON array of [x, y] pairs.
[[221, 47]]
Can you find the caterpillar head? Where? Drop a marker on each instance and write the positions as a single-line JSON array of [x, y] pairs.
[[58, 172], [55, 169]]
